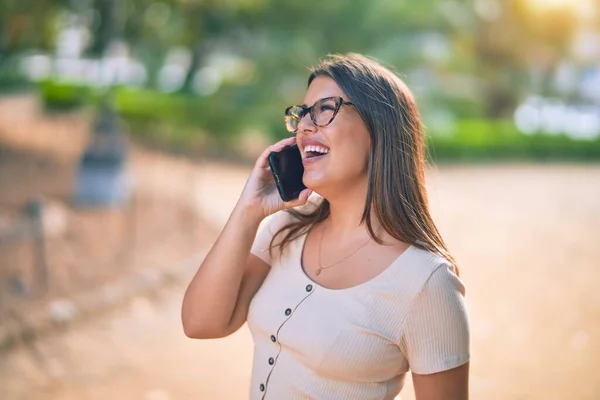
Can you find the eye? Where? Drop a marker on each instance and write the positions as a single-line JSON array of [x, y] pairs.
[[327, 106]]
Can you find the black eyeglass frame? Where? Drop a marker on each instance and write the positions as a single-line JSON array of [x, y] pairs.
[[339, 102]]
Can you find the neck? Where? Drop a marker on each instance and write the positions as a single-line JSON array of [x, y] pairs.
[[346, 209]]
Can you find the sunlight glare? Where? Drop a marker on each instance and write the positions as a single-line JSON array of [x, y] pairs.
[[543, 5]]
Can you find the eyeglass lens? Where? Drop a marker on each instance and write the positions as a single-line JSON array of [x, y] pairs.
[[321, 114]]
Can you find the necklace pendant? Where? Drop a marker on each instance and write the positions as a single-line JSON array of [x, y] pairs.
[[319, 271]]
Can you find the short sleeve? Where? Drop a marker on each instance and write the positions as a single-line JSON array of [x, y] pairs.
[[436, 333], [267, 229]]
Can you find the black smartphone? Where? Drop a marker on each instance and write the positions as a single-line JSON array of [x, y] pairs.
[[286, 166]]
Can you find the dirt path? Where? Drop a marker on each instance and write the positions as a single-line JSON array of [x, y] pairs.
[[526, 237], [138, 352]]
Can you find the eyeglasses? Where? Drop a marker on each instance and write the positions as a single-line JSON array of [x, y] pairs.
[[322, 112]]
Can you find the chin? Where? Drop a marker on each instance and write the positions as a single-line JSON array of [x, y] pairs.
[[319, 186], [313, 183]]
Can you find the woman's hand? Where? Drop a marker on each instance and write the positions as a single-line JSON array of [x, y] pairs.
[[260, 196]]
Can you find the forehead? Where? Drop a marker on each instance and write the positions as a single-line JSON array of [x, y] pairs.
[[321, 87]]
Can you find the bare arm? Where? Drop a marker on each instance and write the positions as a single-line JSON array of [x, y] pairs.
[[452, 384], [217, 299], [211, 300]]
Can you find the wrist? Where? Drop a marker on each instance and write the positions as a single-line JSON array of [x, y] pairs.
[[248, 214]]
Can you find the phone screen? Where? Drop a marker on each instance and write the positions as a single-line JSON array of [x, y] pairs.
[[286, 166]]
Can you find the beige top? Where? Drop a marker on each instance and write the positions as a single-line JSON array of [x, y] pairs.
[[312, 342]]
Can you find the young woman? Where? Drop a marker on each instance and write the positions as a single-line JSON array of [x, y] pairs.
[[347, 293]]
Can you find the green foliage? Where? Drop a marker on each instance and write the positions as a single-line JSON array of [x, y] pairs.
[[182, 110], [11, 78], [64, 95], [459, 64], [489, 140], [186, 122], [12, 81]]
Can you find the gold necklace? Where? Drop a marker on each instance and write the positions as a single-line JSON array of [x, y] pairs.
[[318, 272]]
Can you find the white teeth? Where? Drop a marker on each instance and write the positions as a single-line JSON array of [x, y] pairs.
[[317, 149]]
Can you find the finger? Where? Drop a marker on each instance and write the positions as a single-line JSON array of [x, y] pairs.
[[301, 200], [262, 161]]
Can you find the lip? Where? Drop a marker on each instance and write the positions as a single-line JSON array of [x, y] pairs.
[[310, 142], [309, 161]]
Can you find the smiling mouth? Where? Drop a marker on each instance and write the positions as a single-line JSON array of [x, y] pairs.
[[311, 152]]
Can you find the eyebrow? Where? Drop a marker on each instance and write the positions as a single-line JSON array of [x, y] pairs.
[[322, 98]]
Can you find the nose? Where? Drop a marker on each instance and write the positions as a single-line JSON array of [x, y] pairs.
[[306, 126]]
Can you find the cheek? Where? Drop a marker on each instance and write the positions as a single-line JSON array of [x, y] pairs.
[[365, 152], [363, 144], [352, 152]]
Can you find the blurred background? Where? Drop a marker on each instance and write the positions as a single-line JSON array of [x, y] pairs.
[[128, 128]]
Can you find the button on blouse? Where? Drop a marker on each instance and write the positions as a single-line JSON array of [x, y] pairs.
[[354, 343]]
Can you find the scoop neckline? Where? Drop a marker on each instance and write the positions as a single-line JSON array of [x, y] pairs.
[[385, 271]]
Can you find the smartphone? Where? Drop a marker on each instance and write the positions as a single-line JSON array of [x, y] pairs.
[[287, 169]]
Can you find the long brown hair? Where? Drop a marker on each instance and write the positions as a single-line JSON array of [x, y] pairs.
[[396, 187]]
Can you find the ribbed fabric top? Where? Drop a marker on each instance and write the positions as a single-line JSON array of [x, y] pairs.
[[312, 342]]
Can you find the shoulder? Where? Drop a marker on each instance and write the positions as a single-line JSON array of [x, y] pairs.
[[435, 334], [437, 274], [274, 222], [439, 293], [281, 219]]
